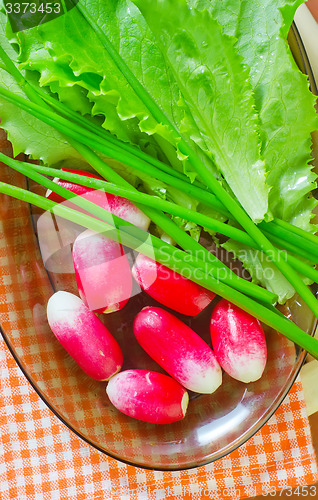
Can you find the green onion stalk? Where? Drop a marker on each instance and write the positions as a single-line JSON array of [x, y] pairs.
[[86, 140], [205, 176], [174, 258], [277, 230], [171, 208], [218, 271], [184, 240]]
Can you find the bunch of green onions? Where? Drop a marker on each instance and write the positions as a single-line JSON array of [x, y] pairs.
[[276, 238]]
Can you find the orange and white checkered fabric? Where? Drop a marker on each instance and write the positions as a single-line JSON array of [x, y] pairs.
[[40, 458]]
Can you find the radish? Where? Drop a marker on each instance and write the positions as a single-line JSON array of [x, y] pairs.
[[84, 336], [149, 396], [178, 349], [238, 341], [170, 288], [117, 205], [102, 272], [75, 188]]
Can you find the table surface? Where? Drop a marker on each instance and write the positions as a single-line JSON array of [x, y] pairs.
[[299, 493]]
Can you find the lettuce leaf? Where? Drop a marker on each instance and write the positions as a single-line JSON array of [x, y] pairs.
[[285, 106], [76, 97], [214, 85], [262, 270], [134, 40], [215, 89], [286, 118], [282, 106], [27, 134], [91, 68]]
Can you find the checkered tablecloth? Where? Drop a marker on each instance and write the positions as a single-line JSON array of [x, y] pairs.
[[41, 459]]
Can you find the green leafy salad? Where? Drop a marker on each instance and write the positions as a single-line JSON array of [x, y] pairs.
[[196, 111]]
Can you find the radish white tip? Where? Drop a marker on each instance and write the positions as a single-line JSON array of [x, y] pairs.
[[86, 234], [252, 371], [110, 309], [84, 336], [113, 374], [63, 301], [208, 382], [214, 383], [184, 403], [49, 191]]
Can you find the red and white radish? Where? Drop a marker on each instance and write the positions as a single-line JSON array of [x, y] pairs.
[[149, 396], [75, 188], [238, 341], [117, 205], [178, 349], [102, 272], [170, 288], [84, 336]]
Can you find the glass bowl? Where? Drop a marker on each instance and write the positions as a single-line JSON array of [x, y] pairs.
[[214, 426]]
